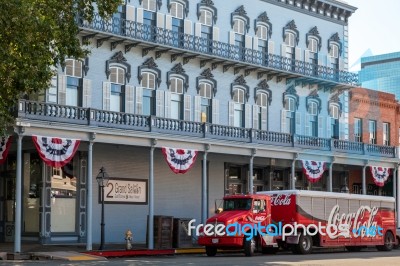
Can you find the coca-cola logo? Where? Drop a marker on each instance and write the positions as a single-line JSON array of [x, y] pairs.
[[281, 200]]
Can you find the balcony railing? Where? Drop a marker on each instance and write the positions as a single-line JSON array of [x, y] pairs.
[[107, 119], [148, 33]]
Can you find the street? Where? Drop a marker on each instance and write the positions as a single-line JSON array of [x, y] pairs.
[[363, 258]]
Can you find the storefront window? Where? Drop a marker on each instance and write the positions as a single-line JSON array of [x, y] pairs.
[[32, 190]]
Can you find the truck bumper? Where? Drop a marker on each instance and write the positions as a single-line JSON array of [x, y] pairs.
[[227, 241]]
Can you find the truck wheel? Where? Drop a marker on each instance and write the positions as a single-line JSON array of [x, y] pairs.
[[388, 242], [211, 251], [353, 248], [396, 246], [249, 246], [304, 246]]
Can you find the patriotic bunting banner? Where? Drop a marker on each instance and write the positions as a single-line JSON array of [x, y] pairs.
[[313, 170], [179, 160], [4, 148], [55, 152], [380, 175]]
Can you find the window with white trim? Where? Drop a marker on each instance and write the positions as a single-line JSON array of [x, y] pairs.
[[357, 129], [312, 110], [176, 89], [206, 94], [386, 134], [290, 107], [334, 114], [238, 98], [148, 83], [262, 102], [372, 131], [289, 39], [150, 5], [117, 79], [73, 70], [313, 45], [334, 50], [262, 32], [176, 10], [238, 26], [206, 17]]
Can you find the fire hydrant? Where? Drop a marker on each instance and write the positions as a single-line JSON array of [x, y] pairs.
[[128, 238]]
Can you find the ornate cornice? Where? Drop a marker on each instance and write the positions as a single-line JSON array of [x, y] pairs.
[[263, 19], [209, 5], [313, 96], [291, 26], [207, 75], [178, 70], [240, 81], [263, 87], [291, 92], [118, 58], [149, 64], [314, 32], [241, 12]]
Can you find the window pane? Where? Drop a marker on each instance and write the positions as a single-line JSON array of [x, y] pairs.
[[176, 106], [148, 102]]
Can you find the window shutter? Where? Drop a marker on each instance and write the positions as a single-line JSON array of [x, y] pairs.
[[129, 91], [231, 37], [255, 116], [139, 15], [130, 13], [307, 125], [160, 103], [160, 20], [248, 42], [283, 122], [188, 27], [216, 34], [247, 113], [198, 29], [255, 43], [341, 64], [197, 109], [321, 127], [87, 93], [328, 61], [187, 108], [168, 22], [215, 111], [231, 113], [167, 105], [139, 100], [328, 127], [271, 47], [62, 89], [283, 50], [264, 118], [342, 127], [307, 56], [297, 54], [321, 60], [298, 124], [106, 95]]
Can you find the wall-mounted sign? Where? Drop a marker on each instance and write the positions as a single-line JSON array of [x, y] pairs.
[[130, 191]]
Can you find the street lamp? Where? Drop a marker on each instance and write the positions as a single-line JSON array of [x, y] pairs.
[[102, 179]]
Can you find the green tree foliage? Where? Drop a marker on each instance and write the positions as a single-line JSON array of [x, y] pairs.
[[35, 36]]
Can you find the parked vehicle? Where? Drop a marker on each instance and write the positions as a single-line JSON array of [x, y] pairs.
[[321, 219]]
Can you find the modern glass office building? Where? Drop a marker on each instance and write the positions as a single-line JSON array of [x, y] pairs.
[[381, 72]]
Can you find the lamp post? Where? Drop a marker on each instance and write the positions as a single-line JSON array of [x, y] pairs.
[[102, 179]]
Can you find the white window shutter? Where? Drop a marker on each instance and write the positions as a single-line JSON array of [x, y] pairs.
[[139, 100], [215, 111], [341, 64], [62, 89], [328, 127], [264, 118], [298, 124], [248, 42], [160, 20], [139, 15], [231, 37], [129, 92], [160, 103], [87, 93], [198, 30], [106, 95], [321, 127], [168, 22], [297, 54], [283, 50], [307, 125], [197, 109], [187, 106], [255, 43], [271, 47], [130, 13], [283, 122], [307, 56], [342, 127], [328, 61], [167, 104], [216, 34], [256, 109], [247, 115], [231, 113], [188, 27], [321, 60]]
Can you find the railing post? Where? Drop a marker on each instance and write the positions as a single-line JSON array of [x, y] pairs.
[[151, 122], [332, 144], [365, 149], [293, 140]]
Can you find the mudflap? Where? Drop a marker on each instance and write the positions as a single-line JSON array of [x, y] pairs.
[[292, 239], [269, 241]]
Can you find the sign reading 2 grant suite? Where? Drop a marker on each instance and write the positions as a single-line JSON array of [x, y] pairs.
[[130, 191]]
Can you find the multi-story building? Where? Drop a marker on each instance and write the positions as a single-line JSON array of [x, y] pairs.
[[381, 72], [254, 90]]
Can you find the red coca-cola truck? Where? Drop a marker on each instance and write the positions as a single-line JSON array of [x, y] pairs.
[[300, 220]]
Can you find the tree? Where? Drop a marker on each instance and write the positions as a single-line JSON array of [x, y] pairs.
[[36, 36]]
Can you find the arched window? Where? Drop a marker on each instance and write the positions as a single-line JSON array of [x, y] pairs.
[[335, 50], [205, 92], [261, 111], [206, 17], [176, 89], [73, 71], [238, 99], [148, 85], [334, 120], [312, 119], [176, 10], [291, 39], [150, 5], [117, 79]]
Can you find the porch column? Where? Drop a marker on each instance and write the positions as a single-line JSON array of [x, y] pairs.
[[204, 198], [18, 190], [89, 204], [250, 188], [293, 180], [364, 180], [330, 175], [151, 195], [394, 182]]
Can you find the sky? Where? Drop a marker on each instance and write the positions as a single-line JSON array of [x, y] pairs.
[[375, 26]]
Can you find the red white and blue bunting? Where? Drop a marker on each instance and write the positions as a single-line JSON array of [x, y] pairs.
[[55, 152], [4, 148], [380, 175], [313, 170], [179, 160]]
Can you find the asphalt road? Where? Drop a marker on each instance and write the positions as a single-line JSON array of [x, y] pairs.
[[363, 258]]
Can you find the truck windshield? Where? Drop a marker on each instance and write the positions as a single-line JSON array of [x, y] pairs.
[[237, 204]]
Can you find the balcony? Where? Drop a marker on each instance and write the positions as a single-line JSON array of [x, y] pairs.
[[106, 119], [131, 33]]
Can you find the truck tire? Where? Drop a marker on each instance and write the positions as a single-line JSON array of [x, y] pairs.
[[249, 246], [211, 251], [388, 242], [304, 246]]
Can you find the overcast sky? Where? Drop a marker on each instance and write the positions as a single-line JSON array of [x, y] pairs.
[[376, 26]]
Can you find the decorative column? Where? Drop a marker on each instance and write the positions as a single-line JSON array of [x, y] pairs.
[[89, 213], [330, 175], [204, 199], [364, 179], [18, 190], [293, 179], [151, 195], [250, 180]]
